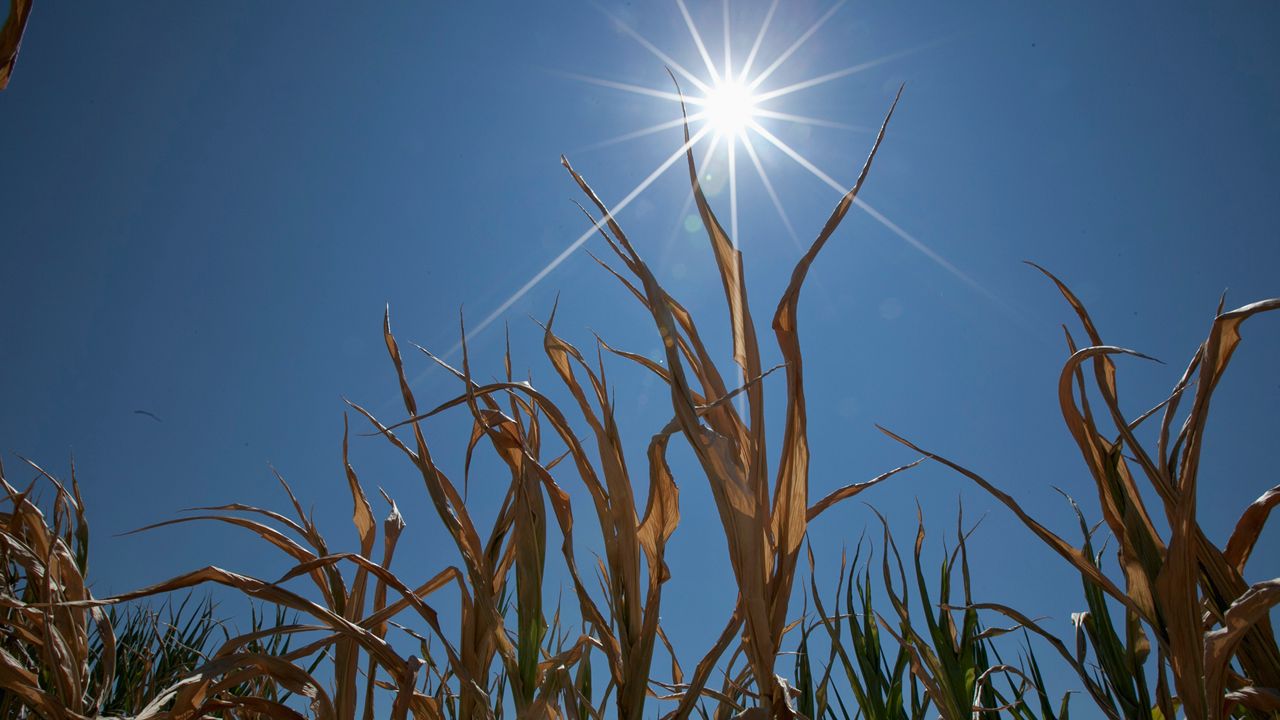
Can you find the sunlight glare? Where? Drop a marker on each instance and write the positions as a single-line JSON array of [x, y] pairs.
[[729, 105], [729, 108]]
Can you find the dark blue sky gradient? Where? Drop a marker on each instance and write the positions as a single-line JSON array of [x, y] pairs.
[[205, 208]]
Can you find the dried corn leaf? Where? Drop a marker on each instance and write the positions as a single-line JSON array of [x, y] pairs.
[[11, 37], [1248, 528]]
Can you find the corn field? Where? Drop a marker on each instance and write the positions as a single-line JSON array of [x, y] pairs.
[[1168, 626]]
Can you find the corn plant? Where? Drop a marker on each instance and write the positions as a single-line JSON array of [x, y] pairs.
[[46, 658], [1212, 634], [941, 667], [881, 686], [764, 524], [62, 655], [349, 627], [536, 682], [329, 652], [157, 648], [627, 633]]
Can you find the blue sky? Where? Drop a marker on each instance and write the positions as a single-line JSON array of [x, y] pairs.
[[205, 210]]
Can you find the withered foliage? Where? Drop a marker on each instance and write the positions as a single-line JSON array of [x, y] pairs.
[[363, 640]]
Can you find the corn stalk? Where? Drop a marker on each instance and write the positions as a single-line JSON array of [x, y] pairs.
[[1211, 628]]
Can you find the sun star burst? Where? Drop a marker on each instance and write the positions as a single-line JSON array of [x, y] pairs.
[[729, 105]]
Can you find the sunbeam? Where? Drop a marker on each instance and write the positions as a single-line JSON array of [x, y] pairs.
[[828, 77], [665, 253], [732, 149], [800, 159], [711, 150], [928, 251], [666, 59], [569, 250], [911, 240], [815, 122], [768, 188], [642, 132], [697, 41], [786, 55], [728, 44], [638, 89], [755, 46]]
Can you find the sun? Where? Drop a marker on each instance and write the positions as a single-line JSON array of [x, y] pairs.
[[733, 106], [730, 108]]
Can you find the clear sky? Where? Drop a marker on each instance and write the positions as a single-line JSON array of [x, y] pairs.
[[205, 208]]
